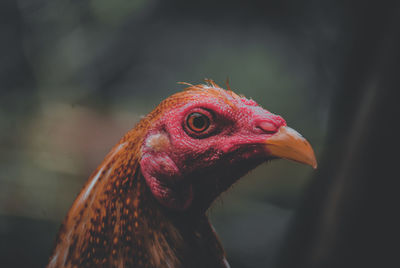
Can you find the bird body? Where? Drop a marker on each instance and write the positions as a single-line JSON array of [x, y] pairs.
[[145, 205]]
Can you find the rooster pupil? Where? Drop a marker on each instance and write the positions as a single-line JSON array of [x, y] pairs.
[[199, 122]]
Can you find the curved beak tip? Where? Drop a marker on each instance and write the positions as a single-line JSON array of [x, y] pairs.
[[289, 144], [314, 165]]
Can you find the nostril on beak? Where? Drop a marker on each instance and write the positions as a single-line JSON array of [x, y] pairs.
[[267, 127]]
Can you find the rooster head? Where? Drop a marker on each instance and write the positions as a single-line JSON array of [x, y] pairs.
[[201, 140]]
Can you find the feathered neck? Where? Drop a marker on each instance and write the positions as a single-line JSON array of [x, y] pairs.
[[115, 221]]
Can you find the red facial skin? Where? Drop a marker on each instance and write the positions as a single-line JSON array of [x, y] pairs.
[[177, 162]]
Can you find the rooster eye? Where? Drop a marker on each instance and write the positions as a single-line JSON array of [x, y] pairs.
[[198, 122]]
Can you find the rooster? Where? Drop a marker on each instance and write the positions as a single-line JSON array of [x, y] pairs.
[[145, 205]]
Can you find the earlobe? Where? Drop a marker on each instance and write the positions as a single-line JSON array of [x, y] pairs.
[[158, 142], [165, 181]]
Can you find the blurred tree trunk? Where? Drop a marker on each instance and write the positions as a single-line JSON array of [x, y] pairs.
[[348, 218], [18, 105]]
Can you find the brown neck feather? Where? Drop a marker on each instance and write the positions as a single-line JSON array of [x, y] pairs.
[[115, 221]]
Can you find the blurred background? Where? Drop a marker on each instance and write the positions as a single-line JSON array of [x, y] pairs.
[[76, 75]]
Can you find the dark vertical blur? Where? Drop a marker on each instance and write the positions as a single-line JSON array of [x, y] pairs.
[[349, 216], [76, 75]]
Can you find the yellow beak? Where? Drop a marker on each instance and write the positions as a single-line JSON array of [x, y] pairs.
[[289, 144]]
